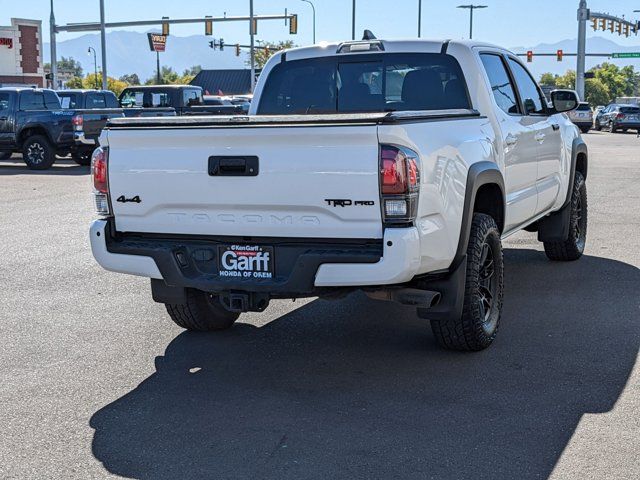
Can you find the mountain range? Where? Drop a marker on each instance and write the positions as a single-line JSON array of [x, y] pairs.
[[128, 52]]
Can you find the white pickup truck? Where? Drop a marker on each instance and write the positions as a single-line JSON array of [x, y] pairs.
[[391, 167]]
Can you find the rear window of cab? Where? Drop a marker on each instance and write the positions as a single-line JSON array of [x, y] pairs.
[[357, 83]]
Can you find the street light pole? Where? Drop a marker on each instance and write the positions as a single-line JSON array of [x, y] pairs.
[[252, 55], [471, 8], [103, 41], [314, 19], [353, 21], [419, 18], [95, 66], [54, 59]]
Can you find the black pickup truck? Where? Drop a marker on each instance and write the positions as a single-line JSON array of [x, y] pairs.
[[31, 121], [92, 110], [170, 100]]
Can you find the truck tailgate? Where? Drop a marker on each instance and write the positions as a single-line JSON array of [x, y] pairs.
[[311, 181]]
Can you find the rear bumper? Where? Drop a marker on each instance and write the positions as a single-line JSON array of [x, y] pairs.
[[302, 266]]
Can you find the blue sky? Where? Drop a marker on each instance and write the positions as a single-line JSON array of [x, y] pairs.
[[510, 23]]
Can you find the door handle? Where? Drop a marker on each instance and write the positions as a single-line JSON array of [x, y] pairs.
[[511, 140], [233, 166], [540, 137]]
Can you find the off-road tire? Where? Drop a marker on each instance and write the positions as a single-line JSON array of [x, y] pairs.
[[573, 247], [5, 155], [201, 312], [38, 153], [82, 158], [477, 327]]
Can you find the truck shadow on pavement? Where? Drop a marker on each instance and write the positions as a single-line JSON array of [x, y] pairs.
[[62, 166], [358, 389]]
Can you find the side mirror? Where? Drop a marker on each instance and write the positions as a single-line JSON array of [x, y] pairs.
[[564, 100]]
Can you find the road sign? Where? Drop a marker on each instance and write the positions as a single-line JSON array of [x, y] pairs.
[[626, 55], [157, 42]]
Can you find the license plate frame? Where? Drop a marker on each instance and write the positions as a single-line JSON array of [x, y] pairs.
[[246, 261]]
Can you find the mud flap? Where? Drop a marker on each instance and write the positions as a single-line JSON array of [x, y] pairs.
[[555, 227], [451, 289]]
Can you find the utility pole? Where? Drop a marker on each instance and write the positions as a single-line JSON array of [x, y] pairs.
[[419, 18], [471, 8], [253, 57], [583, 16], [54, 59], [353, 21], [103, 41]]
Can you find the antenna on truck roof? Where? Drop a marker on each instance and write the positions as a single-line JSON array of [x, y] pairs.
[[368, 35]]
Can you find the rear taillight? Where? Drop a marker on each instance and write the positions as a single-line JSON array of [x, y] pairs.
[[99, 162], [620, 116], [399, 184], [77, 122]]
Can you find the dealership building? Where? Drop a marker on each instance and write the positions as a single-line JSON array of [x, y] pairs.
[[21, 53]]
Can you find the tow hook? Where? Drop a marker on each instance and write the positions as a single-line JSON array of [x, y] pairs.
[[244, 302]]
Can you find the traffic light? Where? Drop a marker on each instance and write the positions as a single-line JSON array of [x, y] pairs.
[[529, 56], [208, 26], [594, 23], [293, 25], [237, 50], [221, 44], [603, 24], [619, 28], [559, 54], [254, 27], [626, 30], [611, 26], [165, 26]]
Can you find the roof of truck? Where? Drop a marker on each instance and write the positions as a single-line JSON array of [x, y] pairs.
[[389, 46]]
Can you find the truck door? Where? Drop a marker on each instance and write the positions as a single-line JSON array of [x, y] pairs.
[[517, 142], [547, 136], [6, 124]]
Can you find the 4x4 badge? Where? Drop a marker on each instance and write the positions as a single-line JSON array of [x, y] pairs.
[[122, 199]]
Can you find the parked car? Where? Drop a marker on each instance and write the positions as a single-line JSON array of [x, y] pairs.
[[401, 186], [582, 117], [169, 100], [596, 116], [620, 117], [32, 122], [92, 109]]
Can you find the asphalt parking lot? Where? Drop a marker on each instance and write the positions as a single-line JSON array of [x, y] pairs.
[[97, 382]]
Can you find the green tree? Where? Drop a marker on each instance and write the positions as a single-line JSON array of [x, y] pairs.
[[113, 84], [193, 71], [568, 80], [168, 76], [548, 79], [596, 92], [262, 53], [67, 65], [74, 82], [130, 78]]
